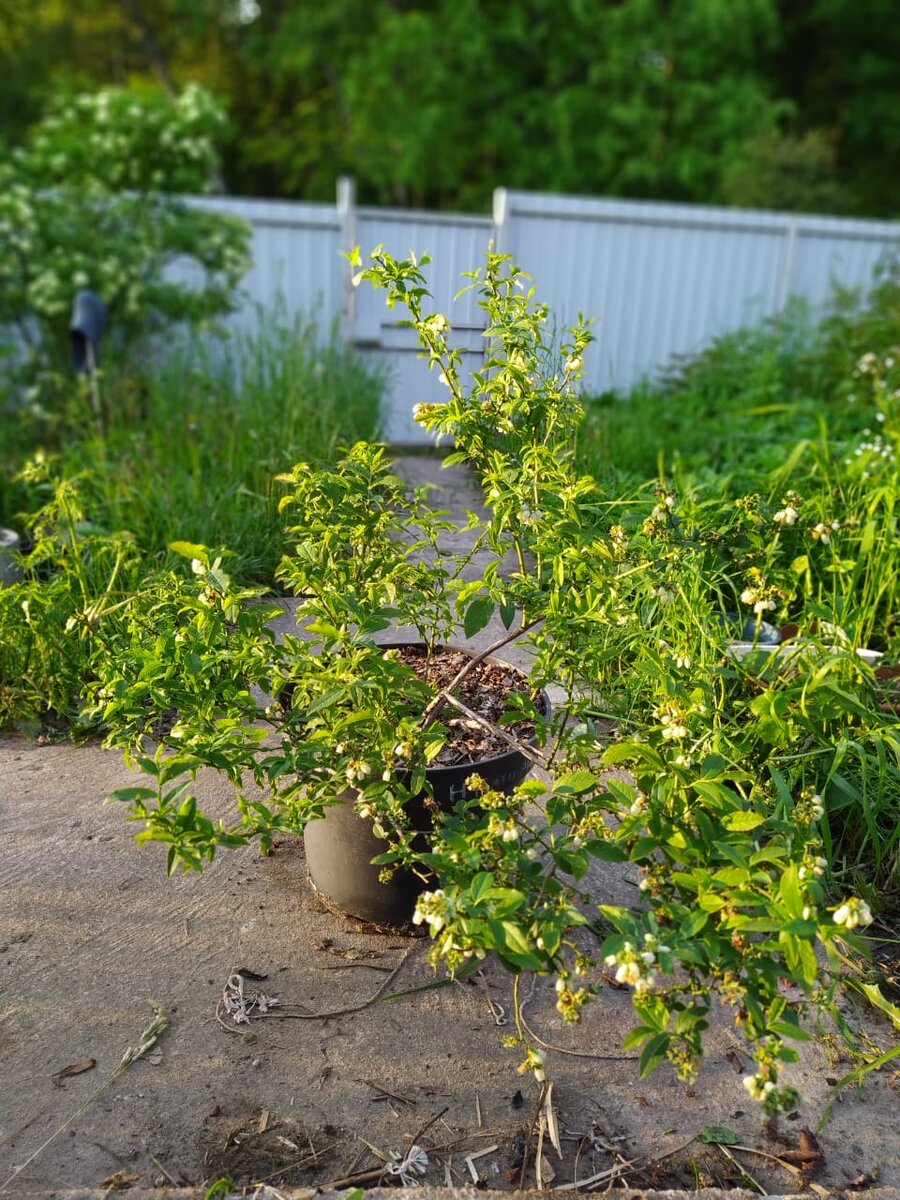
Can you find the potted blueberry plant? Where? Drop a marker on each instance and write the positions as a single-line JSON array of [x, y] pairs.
[[343, 722]]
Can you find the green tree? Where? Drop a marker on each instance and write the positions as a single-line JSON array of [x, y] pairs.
[[840, 68], [438, 101], [93, 200]]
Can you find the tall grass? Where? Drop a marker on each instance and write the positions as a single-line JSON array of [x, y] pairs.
[[732, 409], [189, 447], [809, 409]]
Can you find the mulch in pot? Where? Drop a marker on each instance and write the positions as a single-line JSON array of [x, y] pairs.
[[484, 689]]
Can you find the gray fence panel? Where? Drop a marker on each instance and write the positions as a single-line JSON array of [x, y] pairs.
[[660, 279], [837, 252], [667, 279], [297, 266]]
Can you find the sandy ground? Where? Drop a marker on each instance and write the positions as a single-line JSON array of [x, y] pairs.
[[92, 932]]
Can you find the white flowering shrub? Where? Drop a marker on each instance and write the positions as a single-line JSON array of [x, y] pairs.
[[94, 199]]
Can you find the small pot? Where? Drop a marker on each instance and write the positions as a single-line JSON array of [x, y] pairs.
[[341, 845]]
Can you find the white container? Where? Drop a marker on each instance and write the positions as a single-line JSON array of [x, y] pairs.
[[10, 569]]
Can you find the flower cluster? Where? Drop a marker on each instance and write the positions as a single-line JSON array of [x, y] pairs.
[[673, 715], [93, 200], [852, 913], [822, 532], [759, 594], [813, 867], [790, 510], [635, 967], [809, 808]]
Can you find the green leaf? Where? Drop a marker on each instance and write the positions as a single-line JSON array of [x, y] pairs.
[[694, 924], [874, 995], [188, 549], [732, 876], [635, 1036], [514, 938], [507, 613], [789, 1030], [743, 822], [130, 794], [653, 1054], [719, 1135], [790, 891], [605, 851], [478, 614], [575, 783], [480, 886]]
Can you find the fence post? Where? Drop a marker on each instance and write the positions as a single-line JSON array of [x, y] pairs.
[[787, 265], [346, 207], [501, 233]]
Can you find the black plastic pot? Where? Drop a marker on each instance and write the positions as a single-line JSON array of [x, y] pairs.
[[340, 847]]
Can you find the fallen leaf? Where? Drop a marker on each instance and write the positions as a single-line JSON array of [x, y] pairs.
[[808, 1142], [120, 1180], [735, 1060], [718, 1135], [78, 1068], [246, 973]]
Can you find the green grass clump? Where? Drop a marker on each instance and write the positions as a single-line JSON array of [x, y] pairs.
[[186, 449], [189, 447], [732, 409]]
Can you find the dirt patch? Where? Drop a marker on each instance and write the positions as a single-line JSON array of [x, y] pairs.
[[253, 1145], [93, 929]]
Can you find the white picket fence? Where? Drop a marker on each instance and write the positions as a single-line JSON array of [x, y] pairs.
[[660, 279]]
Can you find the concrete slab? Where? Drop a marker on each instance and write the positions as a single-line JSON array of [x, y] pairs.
[[308, 1095]]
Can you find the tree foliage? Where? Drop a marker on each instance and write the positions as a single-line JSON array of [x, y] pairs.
[[437, 103], [92, 200]]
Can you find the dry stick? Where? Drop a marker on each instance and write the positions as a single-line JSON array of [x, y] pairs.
[[430, 713], [335, 1185], [619, 1169], [745, 1174], [428, 1124], [296, 1163], [523, 748], [154, 1030], [771, 1158], [324, 1016], [523, 1024], [534, 1120], [373, 1176], [160, 1167]]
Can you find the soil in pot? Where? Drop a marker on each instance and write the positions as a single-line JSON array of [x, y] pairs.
[[340, 847]]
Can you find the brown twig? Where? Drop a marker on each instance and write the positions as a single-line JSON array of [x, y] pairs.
[[431, 711], [428, 1124], [745, 1175], [523, 748], [523, 1024], [798, 1171], [298, 1162], [349, 1181], [531, 1128], [613, 1172], [324, 1016]]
